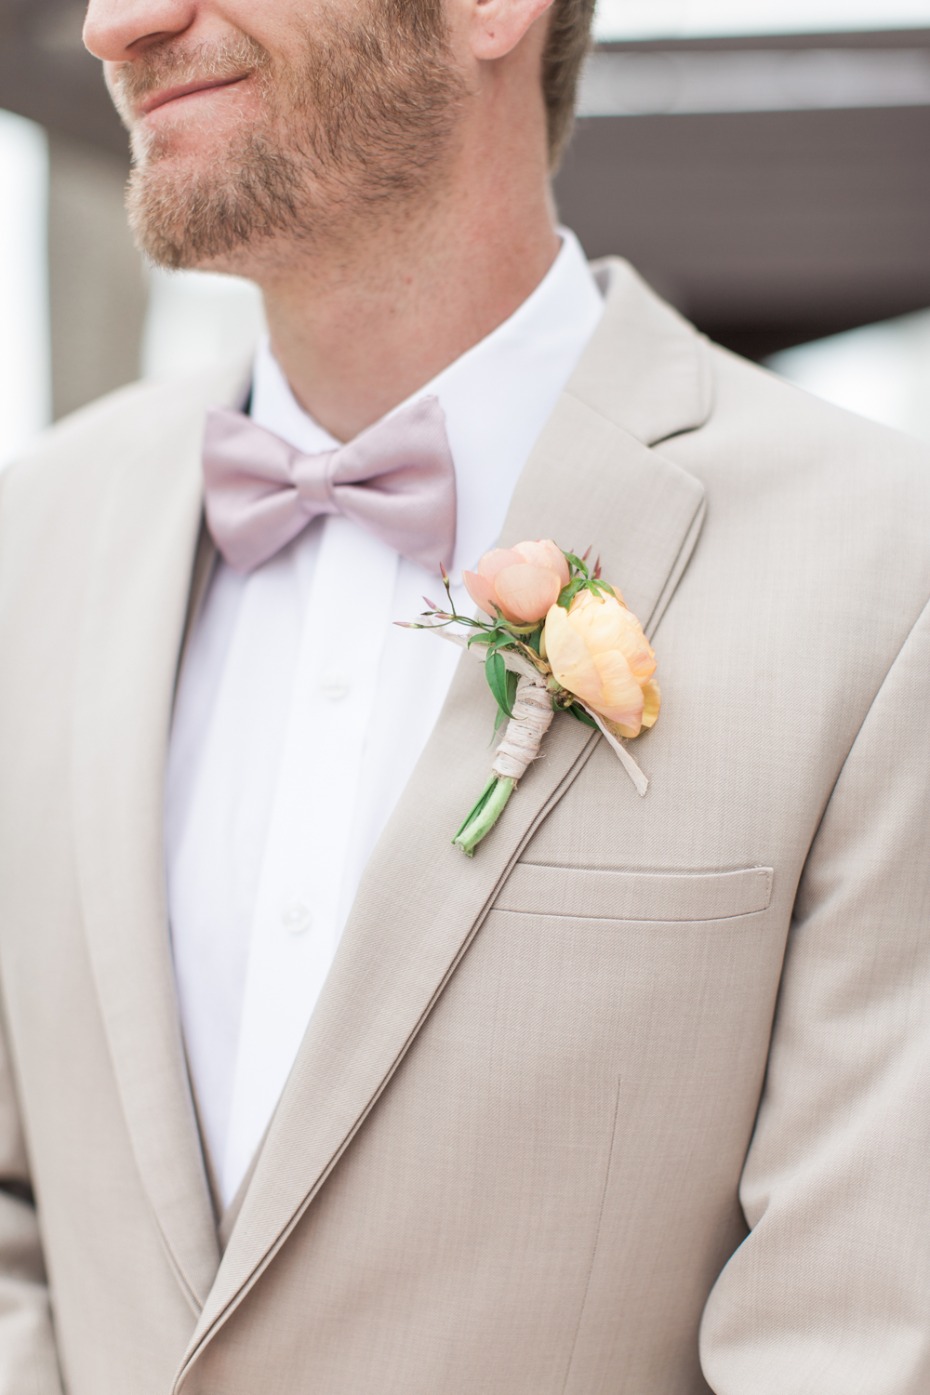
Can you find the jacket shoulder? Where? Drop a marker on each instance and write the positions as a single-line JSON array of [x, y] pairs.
[[79, 451], [753, 403], [54, 498], [814, 492]]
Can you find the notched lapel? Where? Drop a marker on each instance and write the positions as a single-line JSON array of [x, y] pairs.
[[133, 624], [589, 481]]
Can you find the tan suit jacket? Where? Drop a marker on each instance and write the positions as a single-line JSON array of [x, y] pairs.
[[522, 1150]]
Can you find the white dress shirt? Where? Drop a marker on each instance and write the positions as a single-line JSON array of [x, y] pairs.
[[302, 710]]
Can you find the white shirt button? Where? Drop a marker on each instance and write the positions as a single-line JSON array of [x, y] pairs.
[[296, 917], [335, 684]]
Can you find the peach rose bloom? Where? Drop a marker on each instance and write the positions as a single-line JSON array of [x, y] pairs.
[[597, 650], [522, 582]]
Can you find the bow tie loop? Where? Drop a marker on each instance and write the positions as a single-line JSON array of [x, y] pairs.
[[395, 479]]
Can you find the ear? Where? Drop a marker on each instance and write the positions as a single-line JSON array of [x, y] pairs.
[[497, 26]]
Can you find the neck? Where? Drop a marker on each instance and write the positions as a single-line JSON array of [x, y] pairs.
[[356, 332]]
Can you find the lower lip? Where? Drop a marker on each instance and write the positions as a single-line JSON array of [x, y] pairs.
[[187, 97]]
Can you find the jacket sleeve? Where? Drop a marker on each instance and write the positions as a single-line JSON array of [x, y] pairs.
[[830, 1292], [28, 1359]]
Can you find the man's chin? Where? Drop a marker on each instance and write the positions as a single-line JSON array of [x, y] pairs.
[[172, 249], [164, 243], [213, 209], [183, 226]]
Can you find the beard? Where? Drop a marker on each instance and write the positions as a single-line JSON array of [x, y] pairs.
[[359, 123]]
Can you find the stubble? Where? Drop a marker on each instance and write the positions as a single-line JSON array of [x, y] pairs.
[[357, 126]]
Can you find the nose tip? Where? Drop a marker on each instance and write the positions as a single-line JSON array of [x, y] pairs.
[[116, 30]]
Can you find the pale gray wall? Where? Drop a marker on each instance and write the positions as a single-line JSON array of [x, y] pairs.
[[97, 282]]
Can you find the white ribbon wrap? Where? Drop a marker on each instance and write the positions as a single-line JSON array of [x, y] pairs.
[[532, 717]]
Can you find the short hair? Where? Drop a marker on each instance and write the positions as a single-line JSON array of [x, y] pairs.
[[567, 45]]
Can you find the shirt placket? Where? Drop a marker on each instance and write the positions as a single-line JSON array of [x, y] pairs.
[[297, 919]]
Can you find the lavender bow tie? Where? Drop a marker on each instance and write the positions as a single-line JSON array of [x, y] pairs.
[[396, 479]]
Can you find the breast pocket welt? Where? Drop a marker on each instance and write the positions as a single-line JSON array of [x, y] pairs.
[[619, 894]]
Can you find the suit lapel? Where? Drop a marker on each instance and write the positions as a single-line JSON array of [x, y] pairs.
[[590, 480], [134, 619]]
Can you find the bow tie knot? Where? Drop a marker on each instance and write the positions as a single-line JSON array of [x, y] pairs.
[[316, 490], [396, 479]]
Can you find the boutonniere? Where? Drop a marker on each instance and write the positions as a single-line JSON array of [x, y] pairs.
[[558, 639]]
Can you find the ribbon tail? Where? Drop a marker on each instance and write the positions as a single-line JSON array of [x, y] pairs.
[[640, 783]]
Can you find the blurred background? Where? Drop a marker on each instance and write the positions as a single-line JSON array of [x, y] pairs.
[[765, 163]]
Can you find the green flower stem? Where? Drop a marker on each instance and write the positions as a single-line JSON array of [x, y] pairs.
[[483, 817]]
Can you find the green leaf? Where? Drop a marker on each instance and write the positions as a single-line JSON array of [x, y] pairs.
[[578, 563], [581, 715], [512, 681], [569, 592], [503, 714], [496, 674]]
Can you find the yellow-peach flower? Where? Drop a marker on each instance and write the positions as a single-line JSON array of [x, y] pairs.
[[521, 582], [598, 652]]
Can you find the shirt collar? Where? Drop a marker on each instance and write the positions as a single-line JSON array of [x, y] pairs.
[[496, 397]]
